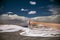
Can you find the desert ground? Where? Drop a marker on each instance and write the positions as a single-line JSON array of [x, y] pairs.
[[16, 36]]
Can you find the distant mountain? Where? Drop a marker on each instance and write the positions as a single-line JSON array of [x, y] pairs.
[[21, 20], [53, 18], [13, 19]]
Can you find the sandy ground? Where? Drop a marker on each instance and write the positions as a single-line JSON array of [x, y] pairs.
[[17, 36]]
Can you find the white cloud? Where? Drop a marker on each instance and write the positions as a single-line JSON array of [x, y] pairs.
[[51, 10], [55, 11], [22, 9], [9, 12], [32, 12], [32, 2]]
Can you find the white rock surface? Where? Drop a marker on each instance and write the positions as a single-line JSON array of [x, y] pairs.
[[11, 28], [41, 33], [30, 32]]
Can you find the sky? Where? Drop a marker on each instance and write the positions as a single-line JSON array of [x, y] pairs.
[[28, 8]]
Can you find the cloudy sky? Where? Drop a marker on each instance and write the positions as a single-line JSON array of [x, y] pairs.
[[29, 8]]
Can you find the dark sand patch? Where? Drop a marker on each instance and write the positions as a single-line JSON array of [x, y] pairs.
[[1, 30]]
